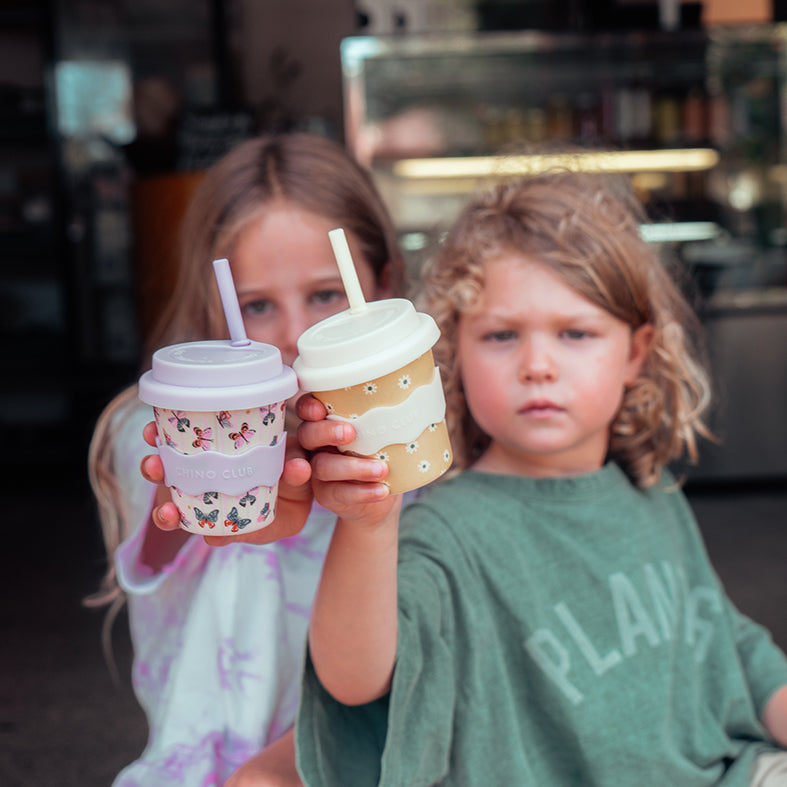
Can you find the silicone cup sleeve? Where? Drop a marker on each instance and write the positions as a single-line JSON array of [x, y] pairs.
[[212, 471]]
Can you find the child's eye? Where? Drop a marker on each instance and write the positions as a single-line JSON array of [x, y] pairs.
[[326, 297], [257, 307], [499, 336], [575, 334]]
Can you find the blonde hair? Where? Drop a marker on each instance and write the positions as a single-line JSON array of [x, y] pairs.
[[309, 172], [585, 228]]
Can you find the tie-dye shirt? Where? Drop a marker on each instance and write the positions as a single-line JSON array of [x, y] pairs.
[[219, 636]]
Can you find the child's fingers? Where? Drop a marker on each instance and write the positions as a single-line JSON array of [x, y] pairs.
[[313, 435], [296, 472], [166, 516], [149, 433], [331, 467], [152, 469], [293, 449], [367, 503], [309, 408], [348, 484], [348, 499], [295, 476]]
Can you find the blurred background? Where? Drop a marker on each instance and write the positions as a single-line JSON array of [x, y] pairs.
[[110, 111]]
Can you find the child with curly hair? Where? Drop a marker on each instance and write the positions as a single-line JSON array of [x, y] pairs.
[[548, 615]]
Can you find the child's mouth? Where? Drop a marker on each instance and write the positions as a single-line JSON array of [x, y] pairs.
[[540, 408]]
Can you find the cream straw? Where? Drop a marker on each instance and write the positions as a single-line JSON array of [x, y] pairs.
[[347, 270]]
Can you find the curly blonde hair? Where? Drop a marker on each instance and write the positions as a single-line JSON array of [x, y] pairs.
[[586, 229]]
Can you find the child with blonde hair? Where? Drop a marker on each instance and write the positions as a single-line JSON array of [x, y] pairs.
[[548, 615], [219, 634]]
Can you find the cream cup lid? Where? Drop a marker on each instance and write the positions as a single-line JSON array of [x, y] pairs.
[[351, 348]]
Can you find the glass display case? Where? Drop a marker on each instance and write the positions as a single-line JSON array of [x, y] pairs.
[[696, 119]]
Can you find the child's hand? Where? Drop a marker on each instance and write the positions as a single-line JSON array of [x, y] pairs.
[[165, 515], [292, 506], [350, 486]]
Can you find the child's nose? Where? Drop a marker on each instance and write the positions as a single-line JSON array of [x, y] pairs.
[[536, 363], [294, 322]]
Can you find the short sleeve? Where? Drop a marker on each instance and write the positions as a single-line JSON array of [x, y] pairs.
[[129, 449], [763, 661], [337, 744]]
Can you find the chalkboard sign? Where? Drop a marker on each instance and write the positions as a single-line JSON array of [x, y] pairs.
[[204, 137]]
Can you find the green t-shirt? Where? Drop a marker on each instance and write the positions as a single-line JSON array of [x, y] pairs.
[[558, 631]]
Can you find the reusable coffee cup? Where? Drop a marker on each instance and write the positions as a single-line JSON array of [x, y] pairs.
[[372, 366], [219, 411]]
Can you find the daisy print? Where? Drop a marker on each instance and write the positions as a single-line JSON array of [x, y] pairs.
[[370, 388], [432, 427], [384, 456], [405, 381], [446, 455], [411, 448], [423, 466]]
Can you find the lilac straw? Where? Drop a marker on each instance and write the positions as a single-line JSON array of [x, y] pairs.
[[229, 300]]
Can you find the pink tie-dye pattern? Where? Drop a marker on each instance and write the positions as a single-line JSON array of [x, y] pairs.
[[299, 544], [274, 566], [168, 614], [231, 673], [299, 609], [204, 758]]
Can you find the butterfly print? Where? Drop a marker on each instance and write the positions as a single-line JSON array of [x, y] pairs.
[[241, 437], [269, 417], [232, 521], [209, 496], [275, 439], [179, 419], [207, 519], [168, 440], [264, 513], [224, 420], [248, 498], [203, 438]]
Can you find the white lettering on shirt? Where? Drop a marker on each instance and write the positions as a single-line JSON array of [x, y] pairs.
[[644, 612]]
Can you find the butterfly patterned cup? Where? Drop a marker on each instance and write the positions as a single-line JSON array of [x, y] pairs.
[[219, 412], [375, 370]]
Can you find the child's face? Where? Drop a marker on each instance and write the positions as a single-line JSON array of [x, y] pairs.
[[286, 275], [544, 370]]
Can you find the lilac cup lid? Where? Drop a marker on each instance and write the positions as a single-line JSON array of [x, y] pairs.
[[233, 374], [216, 375]]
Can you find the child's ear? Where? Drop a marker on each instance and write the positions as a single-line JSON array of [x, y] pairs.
[[641, 343]]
